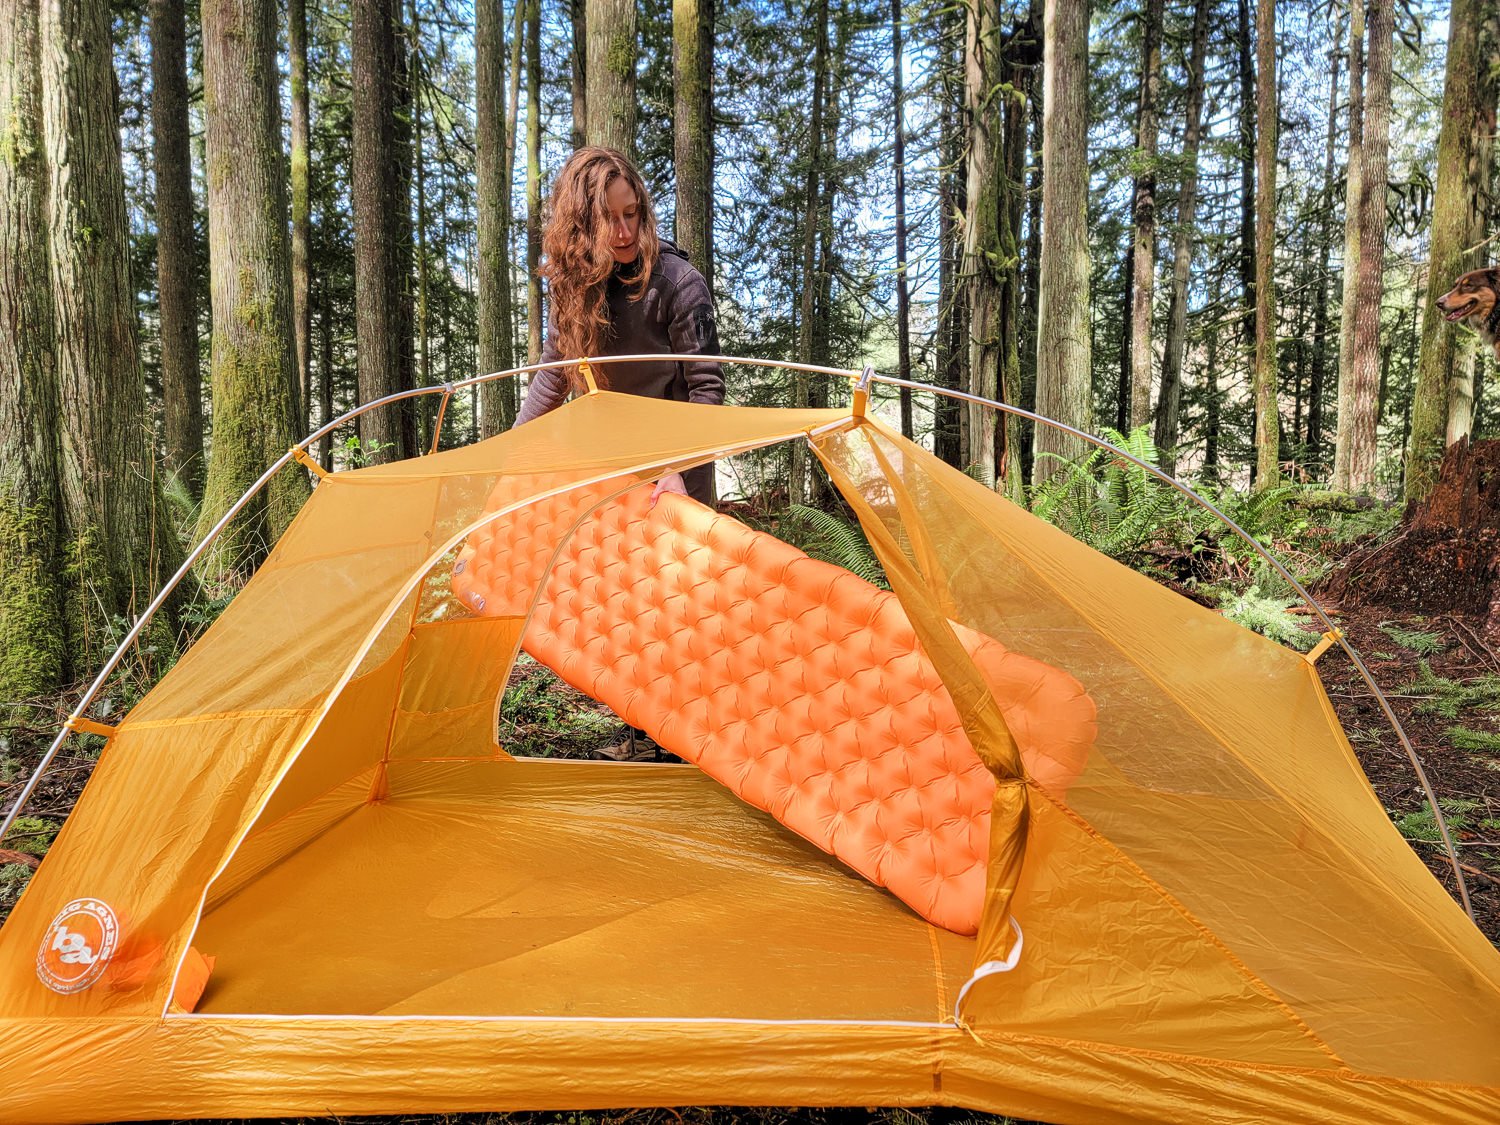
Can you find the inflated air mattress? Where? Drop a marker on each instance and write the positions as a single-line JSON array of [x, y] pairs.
[[795, 683]]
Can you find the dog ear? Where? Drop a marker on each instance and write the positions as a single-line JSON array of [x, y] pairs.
[[1492, 275]]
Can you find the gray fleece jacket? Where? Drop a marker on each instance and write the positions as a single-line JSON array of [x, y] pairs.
[[675, 314]]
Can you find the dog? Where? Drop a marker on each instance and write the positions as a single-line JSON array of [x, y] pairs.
[[1475, 300]]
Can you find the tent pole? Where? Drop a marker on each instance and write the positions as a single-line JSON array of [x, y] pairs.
[[1254, 545], [445, 389], [864, 377]]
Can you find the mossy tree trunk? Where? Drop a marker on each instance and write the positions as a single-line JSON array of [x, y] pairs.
[[1319, 366], [1169, 401], [492, 201], [1466, 386], [1245, 72], [1369, 282], [33, 641], [1353, 192], [120, 543], [176, 257], [610, 74], [1455, 201], [996, 82], [1267, 414], [296, 11], [693, 139], [1143, 214], [1063, 344], [255, 407], [377, 310]]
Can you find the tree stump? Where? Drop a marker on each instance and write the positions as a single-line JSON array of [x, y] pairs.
[[1445, 556]]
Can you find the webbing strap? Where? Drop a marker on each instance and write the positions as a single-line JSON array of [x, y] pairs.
[[307, 460], [1329, 639], [587, 371], [88, 726]]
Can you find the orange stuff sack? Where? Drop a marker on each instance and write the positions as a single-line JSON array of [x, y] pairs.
[[795, 683]]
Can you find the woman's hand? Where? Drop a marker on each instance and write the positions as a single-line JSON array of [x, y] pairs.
[[672, 482]]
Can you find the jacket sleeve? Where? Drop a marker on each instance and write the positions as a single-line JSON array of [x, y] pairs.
[[549, 387], [691, 330]]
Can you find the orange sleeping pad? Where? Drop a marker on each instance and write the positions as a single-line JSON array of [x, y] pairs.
[[795, 683]]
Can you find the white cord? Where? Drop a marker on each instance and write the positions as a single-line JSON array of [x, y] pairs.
[[990, 968]]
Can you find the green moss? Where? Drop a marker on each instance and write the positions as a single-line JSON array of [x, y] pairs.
[[33, 649], [620, 59]]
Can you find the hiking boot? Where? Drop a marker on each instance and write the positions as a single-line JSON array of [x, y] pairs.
[[637, 746]]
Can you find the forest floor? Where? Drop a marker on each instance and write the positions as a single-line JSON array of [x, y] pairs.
[[1442, 679]]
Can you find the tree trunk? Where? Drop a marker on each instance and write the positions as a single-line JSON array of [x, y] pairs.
[[578, 14], [255, 401], [1320, 299], [401, 169], [1366, 368], [610, 70], [120, 544], [1211, 407], [982, 264], [424, 408], [692, 86], [1247, 175], [950, 348], [1452, 253], [1143, 212], [492, 200], [1169, 404], [903, 300], [797, 488], [1354, 163], [1022, 56], [1122, 382], [377, 317], [1464, 391], [33, 639], [1063, 365], [533, 180], [301, 211], [325, 371], [176, 257], [1267, 415]]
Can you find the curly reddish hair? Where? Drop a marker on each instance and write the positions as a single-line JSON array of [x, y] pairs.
[[577, 260]]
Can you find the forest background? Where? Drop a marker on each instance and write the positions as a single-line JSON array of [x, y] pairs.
[[1212, 229]]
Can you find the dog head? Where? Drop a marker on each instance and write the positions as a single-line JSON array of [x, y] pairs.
[[1473, 295]]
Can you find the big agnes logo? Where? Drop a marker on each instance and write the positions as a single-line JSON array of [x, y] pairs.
[[77, 946]]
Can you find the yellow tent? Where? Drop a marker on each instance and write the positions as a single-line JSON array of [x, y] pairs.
[[1220, 922]]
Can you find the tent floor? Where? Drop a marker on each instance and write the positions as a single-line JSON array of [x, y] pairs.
[[572, 889]]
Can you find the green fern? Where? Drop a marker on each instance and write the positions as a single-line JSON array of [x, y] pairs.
[[1109, 502], [1476, 741], [834, 540], [1422, 826], [1446, 697], [1268, 616], [1414, 640]]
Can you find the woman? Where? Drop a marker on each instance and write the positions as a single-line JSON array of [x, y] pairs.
[[618, 288]]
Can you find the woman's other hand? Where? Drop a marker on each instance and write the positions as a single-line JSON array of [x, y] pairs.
[[672, 482]]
